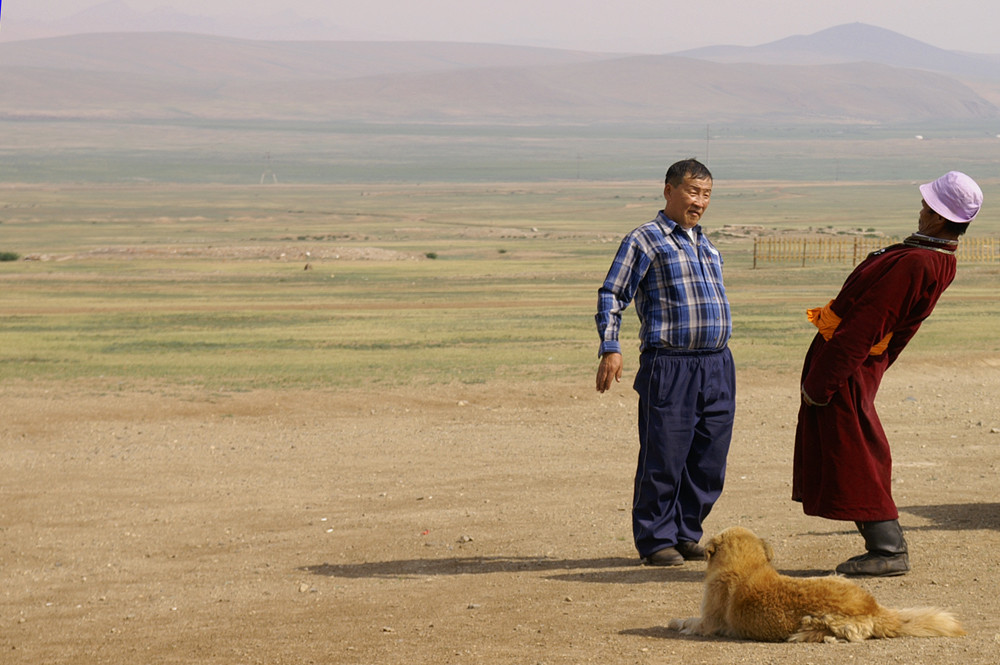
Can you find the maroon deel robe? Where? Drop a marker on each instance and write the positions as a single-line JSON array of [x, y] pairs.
[[842, 466]]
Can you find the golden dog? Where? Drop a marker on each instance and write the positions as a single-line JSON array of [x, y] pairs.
[[745, 597]]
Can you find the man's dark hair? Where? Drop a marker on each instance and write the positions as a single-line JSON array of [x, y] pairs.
[[687, 168]]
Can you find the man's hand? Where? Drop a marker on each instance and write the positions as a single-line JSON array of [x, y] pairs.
[[609, 369], [809, 400]]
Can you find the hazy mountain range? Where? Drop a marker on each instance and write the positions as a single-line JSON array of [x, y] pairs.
[[118, 16], [848, 74]]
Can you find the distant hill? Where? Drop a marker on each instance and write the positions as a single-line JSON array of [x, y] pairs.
[[194, 56], [117, 16], [800, 80], [855, 42]]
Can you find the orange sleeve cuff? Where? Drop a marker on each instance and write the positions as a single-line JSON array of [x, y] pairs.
[[826, 321]]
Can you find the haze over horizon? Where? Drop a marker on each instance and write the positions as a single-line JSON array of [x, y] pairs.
[[639, 26]]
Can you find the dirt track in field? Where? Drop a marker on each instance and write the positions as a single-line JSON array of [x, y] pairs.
[[446, 524]]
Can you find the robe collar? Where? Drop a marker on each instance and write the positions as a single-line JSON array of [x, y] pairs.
[[930, 242]]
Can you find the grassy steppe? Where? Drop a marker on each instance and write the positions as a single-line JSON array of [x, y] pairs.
[[406, 284], [244, 152]]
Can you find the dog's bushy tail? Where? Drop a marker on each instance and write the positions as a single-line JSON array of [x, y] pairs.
[[923, 622]]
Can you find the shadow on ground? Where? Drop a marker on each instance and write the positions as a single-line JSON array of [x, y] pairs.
[[621, 570], [664, 633], [957, 517], [610, 570]]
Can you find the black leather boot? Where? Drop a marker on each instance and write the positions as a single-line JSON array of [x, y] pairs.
[[887, 554]]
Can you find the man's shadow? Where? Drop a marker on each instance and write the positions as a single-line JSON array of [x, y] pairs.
[[956, 516], [607, 570]]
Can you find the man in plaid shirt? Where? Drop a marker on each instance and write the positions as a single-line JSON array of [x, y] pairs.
[[686, 379]]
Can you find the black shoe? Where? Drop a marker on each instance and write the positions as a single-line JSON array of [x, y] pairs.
[[668, 556], [873, 564], [691, 551], [887, 552]]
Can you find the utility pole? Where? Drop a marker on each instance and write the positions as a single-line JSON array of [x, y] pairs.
[[268, 171]]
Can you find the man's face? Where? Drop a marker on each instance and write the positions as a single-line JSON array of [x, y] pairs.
[[929, 220], [687, 202]]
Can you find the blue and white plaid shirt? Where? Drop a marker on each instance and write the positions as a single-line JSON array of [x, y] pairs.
[[676, 283]]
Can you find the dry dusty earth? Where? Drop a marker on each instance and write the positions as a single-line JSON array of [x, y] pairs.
[[446, 524]]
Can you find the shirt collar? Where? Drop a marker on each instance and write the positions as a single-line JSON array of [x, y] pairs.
[[673, 226]]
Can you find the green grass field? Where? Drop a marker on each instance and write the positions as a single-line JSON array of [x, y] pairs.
[[235, 152], [177, 251], [207, 284]]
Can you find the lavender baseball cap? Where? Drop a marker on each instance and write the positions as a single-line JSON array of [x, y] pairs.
[[955, 196]]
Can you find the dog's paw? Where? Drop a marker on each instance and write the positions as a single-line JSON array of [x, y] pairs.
[[687, 626]]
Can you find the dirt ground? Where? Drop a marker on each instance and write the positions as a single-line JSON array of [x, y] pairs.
[[451, 524]]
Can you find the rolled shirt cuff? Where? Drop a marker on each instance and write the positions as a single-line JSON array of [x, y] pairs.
[[609, 346]]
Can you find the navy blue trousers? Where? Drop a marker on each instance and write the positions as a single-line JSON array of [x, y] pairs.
[[686, 406]]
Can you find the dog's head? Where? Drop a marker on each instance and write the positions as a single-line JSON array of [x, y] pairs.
[[737, 548]]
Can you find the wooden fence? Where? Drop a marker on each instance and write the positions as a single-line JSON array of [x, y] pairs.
[[807, 251]]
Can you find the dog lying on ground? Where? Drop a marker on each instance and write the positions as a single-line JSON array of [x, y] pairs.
[[745, 597]]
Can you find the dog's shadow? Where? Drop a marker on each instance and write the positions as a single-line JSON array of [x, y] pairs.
[[664, 633]]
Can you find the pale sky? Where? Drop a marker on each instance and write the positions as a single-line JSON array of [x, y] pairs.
[[638, 26]]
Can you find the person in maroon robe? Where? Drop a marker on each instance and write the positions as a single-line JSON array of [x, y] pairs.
[[842, 464]]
